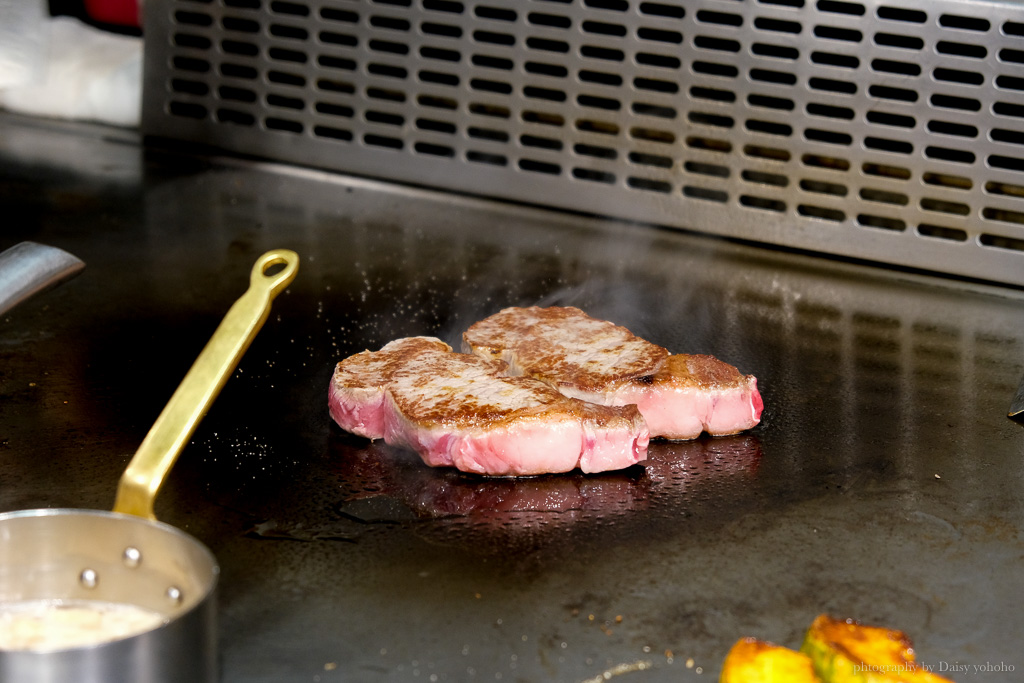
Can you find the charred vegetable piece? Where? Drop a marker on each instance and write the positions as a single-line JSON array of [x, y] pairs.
[[846, 651], [757, 661]]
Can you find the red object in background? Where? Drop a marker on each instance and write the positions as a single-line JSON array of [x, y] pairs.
[[120, 12]]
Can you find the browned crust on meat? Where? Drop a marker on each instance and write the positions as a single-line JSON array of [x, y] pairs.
[[430, 384], [701, 372], [565, 346]]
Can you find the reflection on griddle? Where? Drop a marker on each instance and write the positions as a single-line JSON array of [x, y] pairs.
[[382, 485], [378, 487]]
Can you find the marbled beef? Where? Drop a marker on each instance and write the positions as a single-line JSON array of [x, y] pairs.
[[463, 411], [679, 396]]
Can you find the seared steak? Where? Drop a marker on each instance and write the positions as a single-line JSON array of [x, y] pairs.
[[679, 396], [564, 347], [467, 412], [692, 394]]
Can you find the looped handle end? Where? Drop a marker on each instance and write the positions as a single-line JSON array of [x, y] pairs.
[[265, 276]]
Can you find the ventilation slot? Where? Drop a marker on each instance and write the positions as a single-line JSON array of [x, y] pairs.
[[891, 131]]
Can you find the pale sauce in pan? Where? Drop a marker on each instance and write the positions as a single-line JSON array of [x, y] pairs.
[[47, 625]]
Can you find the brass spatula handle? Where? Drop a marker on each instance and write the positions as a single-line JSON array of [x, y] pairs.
[[151, 463]]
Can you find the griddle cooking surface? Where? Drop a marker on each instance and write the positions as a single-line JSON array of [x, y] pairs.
[[885, 482]]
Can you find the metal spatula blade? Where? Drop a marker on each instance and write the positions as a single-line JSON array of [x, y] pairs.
[[1017, 404], [29, 268]]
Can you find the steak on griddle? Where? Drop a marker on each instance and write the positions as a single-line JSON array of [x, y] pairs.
[[680, 396], [467, 412], [564, 347], [691, 394]]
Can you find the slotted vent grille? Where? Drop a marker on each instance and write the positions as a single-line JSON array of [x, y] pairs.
[[889, 131]]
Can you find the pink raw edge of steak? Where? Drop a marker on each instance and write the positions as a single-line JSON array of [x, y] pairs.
[[691, 394], [462, 411]]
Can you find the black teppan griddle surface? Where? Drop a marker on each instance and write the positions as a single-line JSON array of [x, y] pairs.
[[884, 484]]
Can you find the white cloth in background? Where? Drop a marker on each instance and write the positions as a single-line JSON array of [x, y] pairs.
[[21, 32], [83, 73]]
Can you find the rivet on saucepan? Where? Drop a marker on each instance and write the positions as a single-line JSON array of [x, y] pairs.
[[174, 595], [89, 578], [132, 557]]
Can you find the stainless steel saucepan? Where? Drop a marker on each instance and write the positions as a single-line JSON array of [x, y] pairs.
[[87, 573]]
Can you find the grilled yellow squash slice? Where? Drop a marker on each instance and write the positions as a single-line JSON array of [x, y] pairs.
[[757, 661], [846, 651]]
